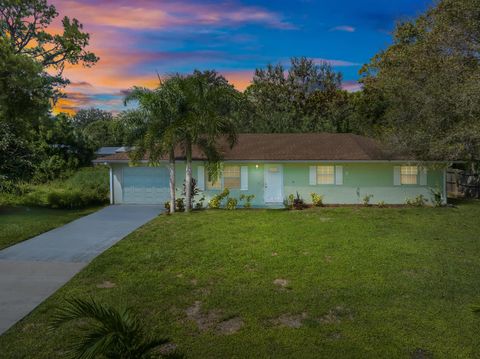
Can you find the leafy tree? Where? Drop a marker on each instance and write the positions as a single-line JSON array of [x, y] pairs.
[[426, 84], [84, 117], [105, 331], [24, 92], [24, 25], [306, 98]]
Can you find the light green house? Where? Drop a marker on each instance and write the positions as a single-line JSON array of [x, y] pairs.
[[344, 168]]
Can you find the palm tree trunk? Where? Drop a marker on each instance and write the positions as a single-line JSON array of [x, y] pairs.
[[188, 177], [171, 169]]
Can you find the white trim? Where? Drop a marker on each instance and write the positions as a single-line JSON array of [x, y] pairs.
[[339, 175], [312, 176], [244, 178], [201, 178], [265, 169], [111, 185]]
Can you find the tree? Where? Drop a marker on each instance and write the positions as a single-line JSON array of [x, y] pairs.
[[105, 331], [153, 128], [24, 92], [24, 26], [84, 117], [306, 98], [426, 84], [209, 104]]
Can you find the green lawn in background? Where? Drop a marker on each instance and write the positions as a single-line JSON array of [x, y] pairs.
[[20, 223], [318, 283]]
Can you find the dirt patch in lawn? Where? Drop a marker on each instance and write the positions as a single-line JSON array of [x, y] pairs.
[[290, 320], [230, 326], [336, 315], [282, 283], [106, 285], [204, 320]]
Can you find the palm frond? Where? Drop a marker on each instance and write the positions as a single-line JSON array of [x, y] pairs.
[[104, 331]]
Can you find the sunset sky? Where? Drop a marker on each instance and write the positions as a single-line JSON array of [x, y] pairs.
[[135, 39]]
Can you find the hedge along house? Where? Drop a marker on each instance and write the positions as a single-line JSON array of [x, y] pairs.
[[344, 168]]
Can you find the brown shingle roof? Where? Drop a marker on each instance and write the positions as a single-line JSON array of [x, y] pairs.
[[293, 147]]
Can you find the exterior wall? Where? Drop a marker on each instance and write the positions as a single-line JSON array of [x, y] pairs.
[[359, 179]]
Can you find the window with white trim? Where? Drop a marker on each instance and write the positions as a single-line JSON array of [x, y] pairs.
[[212, 185], [325, 174], [231, 177], [408, 174]]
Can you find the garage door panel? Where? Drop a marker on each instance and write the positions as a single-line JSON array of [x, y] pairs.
[[148, 185]]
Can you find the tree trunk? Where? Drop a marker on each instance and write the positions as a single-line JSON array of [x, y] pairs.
[[171, 169], [188, 177]]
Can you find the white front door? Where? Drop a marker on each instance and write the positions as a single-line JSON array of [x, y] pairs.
[[273, 184]]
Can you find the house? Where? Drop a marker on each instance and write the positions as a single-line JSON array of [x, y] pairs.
[[344, 168]]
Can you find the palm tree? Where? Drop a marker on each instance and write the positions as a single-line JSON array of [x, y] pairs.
[[153, 127], [210, 102], [105, 331]]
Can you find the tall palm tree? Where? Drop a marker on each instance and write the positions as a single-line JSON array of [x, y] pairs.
[[105, 332], [210, 102], [153, 127]]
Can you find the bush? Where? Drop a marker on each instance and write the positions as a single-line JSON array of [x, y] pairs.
[[317, 200], [87, 187], [418, 201], [381, 204], [248, 200], [231, 203], [292, 202], [436, 197], [180, 205], [366, 200], [216, 201]]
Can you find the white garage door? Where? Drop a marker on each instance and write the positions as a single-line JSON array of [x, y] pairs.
[[145, 185]]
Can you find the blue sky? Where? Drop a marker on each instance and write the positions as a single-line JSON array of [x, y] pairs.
[[136, 39]]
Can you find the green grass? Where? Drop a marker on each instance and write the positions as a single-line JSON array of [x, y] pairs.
[[395, 281], [20, 223]]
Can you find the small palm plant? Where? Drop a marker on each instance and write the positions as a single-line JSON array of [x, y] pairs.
[[105, 331]]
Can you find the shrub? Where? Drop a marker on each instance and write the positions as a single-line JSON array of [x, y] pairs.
[[366, 200], [231, 203], [216, 201], [248, 200], [167, 206], [317, 200], [436, 197], [381, 204], [294, 202], [418, 201], [180, 205], [199, 204]]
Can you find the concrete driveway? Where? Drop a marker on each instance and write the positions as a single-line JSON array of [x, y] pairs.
[[34, 269]]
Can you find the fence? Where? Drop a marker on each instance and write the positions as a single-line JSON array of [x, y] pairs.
[[463, 184]]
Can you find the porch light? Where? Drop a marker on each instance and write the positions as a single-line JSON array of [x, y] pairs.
[[256, 166]]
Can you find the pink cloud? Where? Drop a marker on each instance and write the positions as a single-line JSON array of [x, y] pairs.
[[345, 28], [337, 63], [352, 86], [149, 14]]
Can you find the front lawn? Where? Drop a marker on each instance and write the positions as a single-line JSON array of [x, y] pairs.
[[332, 283], [20, 223]]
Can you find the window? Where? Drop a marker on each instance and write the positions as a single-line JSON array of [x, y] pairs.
[[231, 177], [408, 174], [212, 185], [325, 174]]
